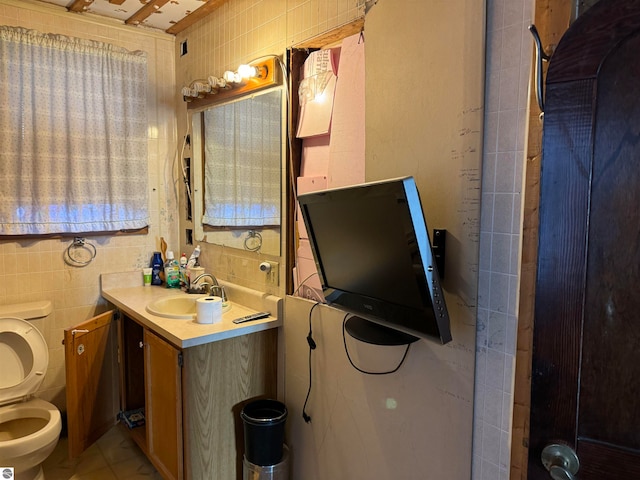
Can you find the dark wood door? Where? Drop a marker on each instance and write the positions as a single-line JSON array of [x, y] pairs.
[[586, 361]]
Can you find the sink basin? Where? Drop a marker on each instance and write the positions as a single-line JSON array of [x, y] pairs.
[[182, 307]]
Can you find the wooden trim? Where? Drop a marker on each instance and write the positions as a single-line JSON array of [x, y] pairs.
[[79, 6], [294, 161], [145, 12], [64, 235], [227, 228], [195, 16], [333, 36]]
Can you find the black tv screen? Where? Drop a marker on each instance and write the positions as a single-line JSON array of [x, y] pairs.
[[374, 257]]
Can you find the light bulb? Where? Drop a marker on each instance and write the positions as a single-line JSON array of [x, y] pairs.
[[217, 82], [231, 77], [189, 92], [202, 87], [247, 71]]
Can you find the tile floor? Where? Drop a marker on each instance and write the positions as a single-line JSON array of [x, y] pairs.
[[113, 457]]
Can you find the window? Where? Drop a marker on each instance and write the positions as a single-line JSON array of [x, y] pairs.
[[73, 130]]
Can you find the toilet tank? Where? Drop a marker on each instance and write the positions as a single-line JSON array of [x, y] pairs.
[[27, 311]]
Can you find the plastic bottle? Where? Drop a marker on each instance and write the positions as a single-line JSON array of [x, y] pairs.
[[193, 259], [156, 267], [172, 271], [183, 269]]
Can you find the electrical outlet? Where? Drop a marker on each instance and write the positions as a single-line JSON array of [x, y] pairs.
[[273, 276]]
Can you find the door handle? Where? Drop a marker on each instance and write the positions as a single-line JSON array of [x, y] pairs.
[[560, 461], [541, 56]]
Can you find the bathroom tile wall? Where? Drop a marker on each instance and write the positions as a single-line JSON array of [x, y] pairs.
[[243, 30], [508, 68], [33, 269], [235, 33]]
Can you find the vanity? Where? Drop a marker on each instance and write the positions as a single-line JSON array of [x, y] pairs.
[[191, 379]]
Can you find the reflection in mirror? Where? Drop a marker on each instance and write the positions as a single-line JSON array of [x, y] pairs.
[[237, 150]]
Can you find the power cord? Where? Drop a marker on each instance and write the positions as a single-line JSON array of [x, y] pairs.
[[344, 340], [312, 347], [302, 283]]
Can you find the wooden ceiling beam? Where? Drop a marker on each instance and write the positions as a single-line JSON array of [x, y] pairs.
[[196, 15], [146, 11], [79, 5]]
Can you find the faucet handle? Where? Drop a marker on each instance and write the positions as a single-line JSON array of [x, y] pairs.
[[218, 291]]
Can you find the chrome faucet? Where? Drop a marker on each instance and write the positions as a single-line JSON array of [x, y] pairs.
[[214, 287], [214, 280]]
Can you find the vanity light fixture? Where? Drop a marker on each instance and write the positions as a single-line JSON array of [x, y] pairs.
[[255, 75], [197, 89]]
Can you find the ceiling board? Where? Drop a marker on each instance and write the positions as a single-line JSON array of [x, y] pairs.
[[171, 16]]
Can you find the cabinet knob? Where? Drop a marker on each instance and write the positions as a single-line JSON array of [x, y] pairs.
[[141, 345]]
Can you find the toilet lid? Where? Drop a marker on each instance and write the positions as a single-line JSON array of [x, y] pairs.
[[24, 357]]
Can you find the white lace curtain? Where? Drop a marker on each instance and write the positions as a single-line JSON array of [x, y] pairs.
[[73, 135], [242, 162]]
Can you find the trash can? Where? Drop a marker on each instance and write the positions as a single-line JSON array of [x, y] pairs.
[[264, 431], [279, 471]]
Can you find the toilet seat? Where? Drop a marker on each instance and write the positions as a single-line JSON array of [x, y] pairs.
[[24, 357]]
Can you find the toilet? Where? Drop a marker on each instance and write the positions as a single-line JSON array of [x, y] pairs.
[[29, 426]]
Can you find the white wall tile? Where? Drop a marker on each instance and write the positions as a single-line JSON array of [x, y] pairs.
[[509, 51], [493, 407], [507, 130], [497, 331], [500, 253], [506, 166]]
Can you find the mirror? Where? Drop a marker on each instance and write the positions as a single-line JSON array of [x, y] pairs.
[[237, 163]]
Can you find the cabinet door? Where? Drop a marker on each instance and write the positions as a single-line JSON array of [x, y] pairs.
[[91, 370], [163, 378], [131, 364]]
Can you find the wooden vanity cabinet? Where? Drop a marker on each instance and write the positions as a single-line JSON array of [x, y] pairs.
[[151, 378], [192, 397], [163, 400]]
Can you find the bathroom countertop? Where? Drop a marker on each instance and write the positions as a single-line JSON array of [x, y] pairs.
[[124, 290]]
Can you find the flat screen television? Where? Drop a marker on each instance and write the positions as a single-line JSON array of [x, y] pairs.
[[373, 253]]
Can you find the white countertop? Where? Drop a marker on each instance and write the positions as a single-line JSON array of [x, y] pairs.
[[125, 291]]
